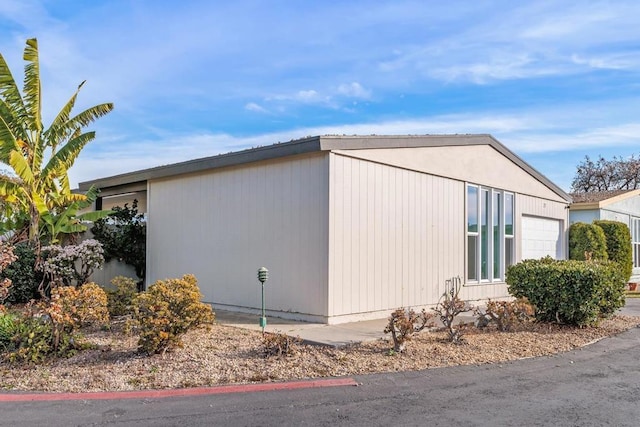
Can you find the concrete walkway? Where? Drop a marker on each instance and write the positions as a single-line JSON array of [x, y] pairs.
[[345, 333], [311, 333]]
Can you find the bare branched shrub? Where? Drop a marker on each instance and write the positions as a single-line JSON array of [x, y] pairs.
[[506, 314], [449, 307], [278, 344], [404, 323]]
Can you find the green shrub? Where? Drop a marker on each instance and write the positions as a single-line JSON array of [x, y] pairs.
[[82, 306], [33, 341], [124, 234], [7, 330], [121, 299], [25, 279], [167, 310], [587, 241], [618, 244], [571, 292], [612, 289]]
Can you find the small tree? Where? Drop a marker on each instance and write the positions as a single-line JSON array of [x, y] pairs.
[[39, 157], [123, 235]]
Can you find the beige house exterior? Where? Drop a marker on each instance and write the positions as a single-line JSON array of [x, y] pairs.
[[350, 227]]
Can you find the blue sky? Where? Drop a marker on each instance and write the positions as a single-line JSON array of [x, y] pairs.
[[554, 81]]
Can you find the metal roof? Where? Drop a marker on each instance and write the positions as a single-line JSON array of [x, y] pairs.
[[317, 144]]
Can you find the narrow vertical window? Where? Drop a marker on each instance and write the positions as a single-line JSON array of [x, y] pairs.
[[497, 234], [635, 241], [508, 230], [472, 233], [490, 233], [484, 235]]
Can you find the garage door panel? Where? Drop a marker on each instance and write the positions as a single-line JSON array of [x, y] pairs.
[[541, 237]]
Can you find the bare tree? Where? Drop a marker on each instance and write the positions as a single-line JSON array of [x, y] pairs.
[[605, 175]]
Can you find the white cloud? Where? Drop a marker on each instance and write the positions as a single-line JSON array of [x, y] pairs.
[[252, 106], [610, 61], [354, 90]]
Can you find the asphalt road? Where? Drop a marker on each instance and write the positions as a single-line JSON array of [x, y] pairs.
[[595, 386], [598, 385]]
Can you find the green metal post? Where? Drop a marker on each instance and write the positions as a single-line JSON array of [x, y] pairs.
[[263, 319], [263, 275]]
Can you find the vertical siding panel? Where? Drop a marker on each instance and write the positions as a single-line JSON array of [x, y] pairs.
[[418, 260], [412, 236], [386, 243], [340, 216], [430, 244], [346, 238], [396, 280], [233, 220], [335, 244], [377, 262], [363, 231], [356, 238], [375, 241]]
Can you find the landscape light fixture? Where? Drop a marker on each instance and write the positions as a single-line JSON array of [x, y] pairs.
[[263, 275]]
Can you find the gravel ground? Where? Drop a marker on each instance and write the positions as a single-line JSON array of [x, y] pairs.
[[223, 355]]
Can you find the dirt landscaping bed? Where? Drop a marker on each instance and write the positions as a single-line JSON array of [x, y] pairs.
[[224, 354]]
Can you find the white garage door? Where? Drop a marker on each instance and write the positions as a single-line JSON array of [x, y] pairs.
[[541, 237]]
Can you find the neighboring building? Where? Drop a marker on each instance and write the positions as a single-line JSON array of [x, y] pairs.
[[615, 205], [350, 227]]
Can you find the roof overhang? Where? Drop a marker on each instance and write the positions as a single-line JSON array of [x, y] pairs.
[[316, 144], [583, 206]]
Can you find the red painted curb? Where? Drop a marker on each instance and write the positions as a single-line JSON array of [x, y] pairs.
[[160, 394]]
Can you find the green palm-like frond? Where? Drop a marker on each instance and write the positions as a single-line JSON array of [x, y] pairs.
[[8, 187], [93, 216], [40, 194], [86, 117], [74, 198], [21, 167], [53, 135], [66, 156], [32, 89], [10, 93], [8, 138]]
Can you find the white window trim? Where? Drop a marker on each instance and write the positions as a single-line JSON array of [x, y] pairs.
[[635, 239], [489, 237]]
